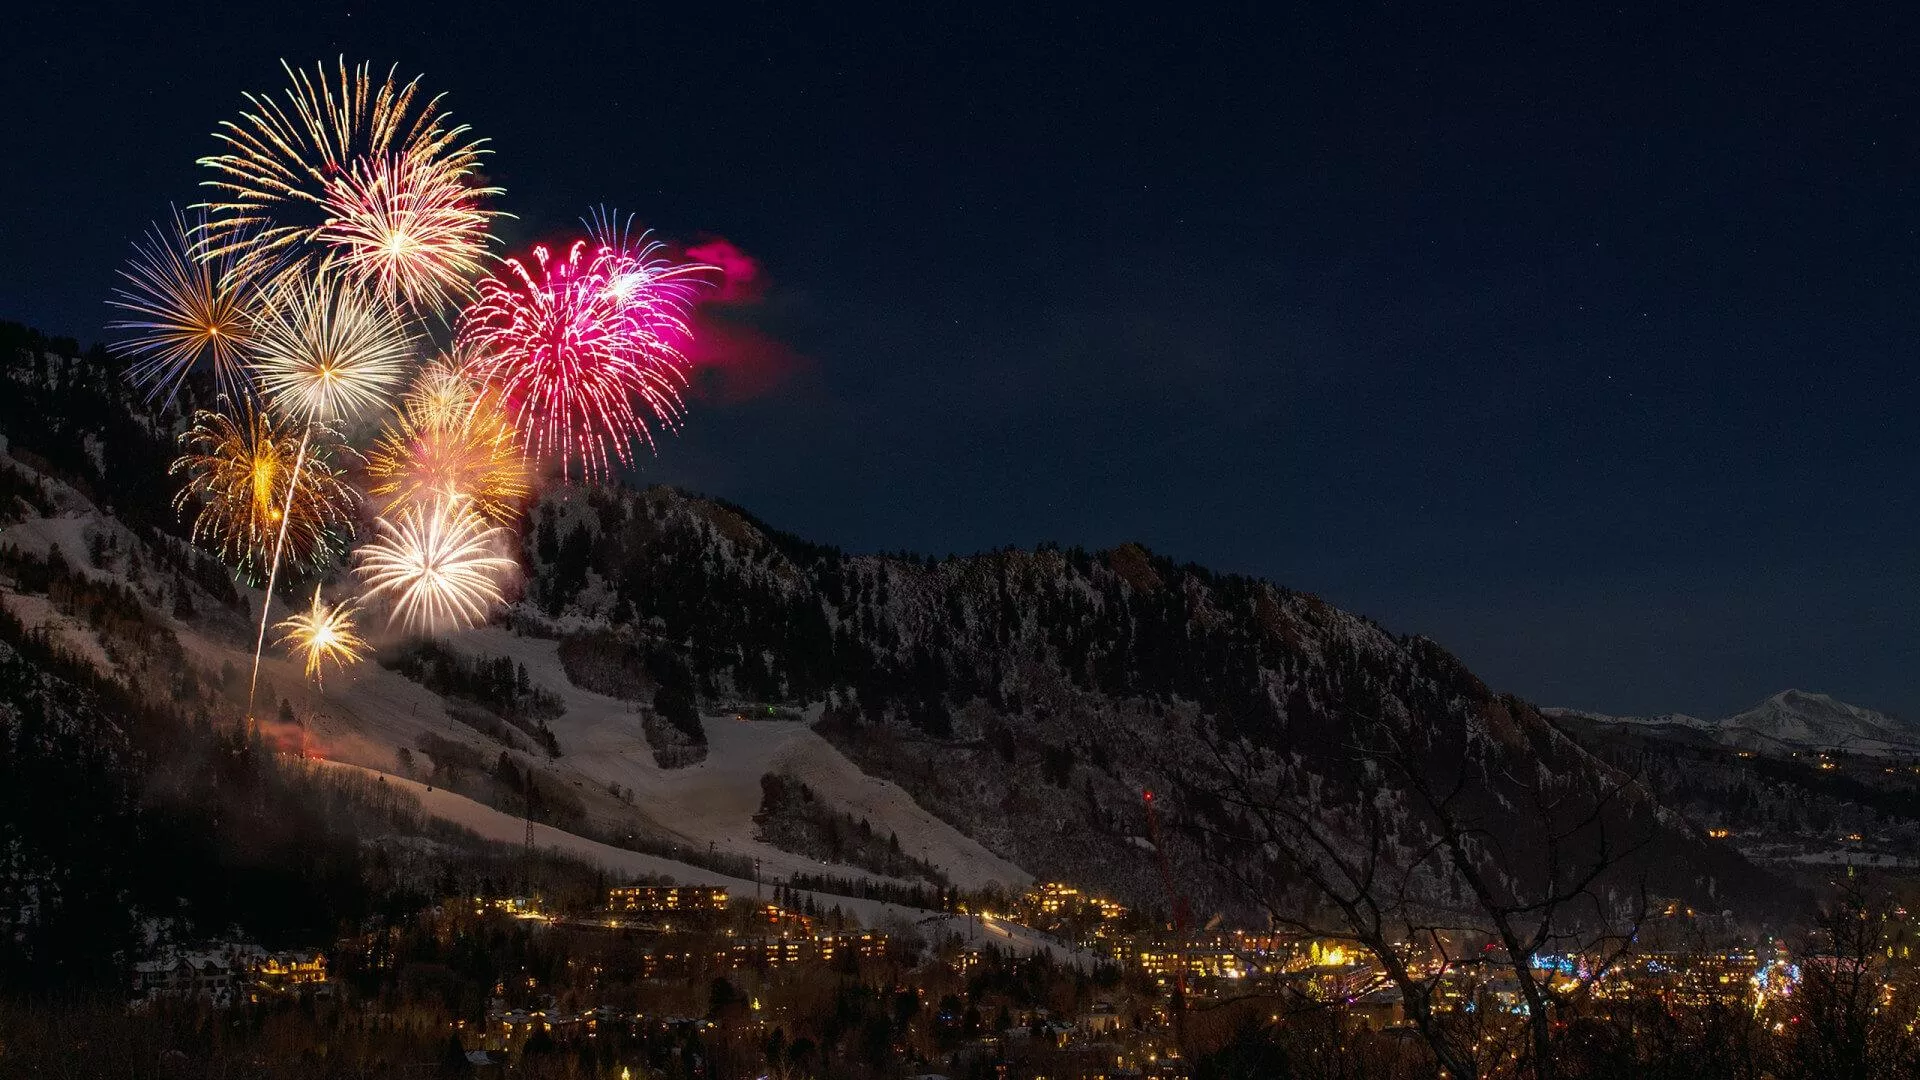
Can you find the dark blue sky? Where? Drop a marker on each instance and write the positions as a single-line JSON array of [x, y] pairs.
[[1581, 342]]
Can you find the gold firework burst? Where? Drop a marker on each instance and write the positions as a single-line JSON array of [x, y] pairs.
[[180, 311], [240, 470], [443, 393], [324, 633], [450, 442], [407, 229], [291, 170]]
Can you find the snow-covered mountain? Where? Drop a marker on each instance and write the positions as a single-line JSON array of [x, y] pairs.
[[995, 717], [1789, 720], [1799, 718], [1662, 720]]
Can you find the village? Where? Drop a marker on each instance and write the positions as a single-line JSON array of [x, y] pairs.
[[663, 979]]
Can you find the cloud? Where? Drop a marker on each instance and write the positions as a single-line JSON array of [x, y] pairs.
[[740, 281], [734, 363], [732, 360]]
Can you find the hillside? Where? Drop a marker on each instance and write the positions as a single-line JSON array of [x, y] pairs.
[[1029, 697], [995, 717]]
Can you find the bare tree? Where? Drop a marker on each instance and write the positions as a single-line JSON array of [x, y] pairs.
[[1412, 842], [1850, 998]]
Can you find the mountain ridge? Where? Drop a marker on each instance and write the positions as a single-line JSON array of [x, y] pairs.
[[1789, 719], [1020, 700]]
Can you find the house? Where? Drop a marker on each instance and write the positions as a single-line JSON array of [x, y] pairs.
[[185, 976]]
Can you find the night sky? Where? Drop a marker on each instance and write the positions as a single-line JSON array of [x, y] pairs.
[[1585, 348]]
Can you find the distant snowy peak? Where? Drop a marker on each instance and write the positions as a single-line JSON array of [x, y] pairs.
[[1800, 718], [1681, 720], [1791, 718]]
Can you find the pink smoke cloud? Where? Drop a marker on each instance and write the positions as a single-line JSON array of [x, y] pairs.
[[734, 363], [740, 281], [731, 361]]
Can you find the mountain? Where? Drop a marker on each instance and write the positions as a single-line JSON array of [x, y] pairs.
[[1814, 721], [1789, 720], [1029, 697], [1678, 721], [674, 671]]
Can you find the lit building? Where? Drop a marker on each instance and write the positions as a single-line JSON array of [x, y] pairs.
[[818, 948], [667, 899]]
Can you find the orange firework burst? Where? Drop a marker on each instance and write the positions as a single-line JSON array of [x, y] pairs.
[[450, 443], [321, 634], [181, 311], [436, 564], [325, 351], [341, 149], [241, 470]]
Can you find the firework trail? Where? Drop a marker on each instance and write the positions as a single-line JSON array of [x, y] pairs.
[[323, 633], [436, 564], [323, 352], [240, 470], [291, 171], [583, 350], [450, 442], [181, 311]]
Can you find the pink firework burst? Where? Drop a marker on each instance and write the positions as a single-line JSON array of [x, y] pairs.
[[585, 351]]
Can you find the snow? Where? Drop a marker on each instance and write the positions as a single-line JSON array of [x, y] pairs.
[[1790, 719], [715, 800], [35, 535], [76, 637], [365, 714], [494, 825], [1662, 720], [1800, 718]]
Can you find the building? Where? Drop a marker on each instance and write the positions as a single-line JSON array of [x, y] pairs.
[[816, 949], [184, 977], [222, 973], [667, 899], [288, 971], [669, 963], [518, 907], [1055, 905], [786, 920]]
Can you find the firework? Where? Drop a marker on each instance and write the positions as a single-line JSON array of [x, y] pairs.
[[324, 351], [583, 351], [436, 564], [289, 171], [410, 230], [241, 469], [450, 443], [181, 311], [443, 393], [656, 290], [323, 633]]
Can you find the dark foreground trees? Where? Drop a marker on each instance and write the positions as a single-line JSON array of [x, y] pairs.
[[1409, 840]]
